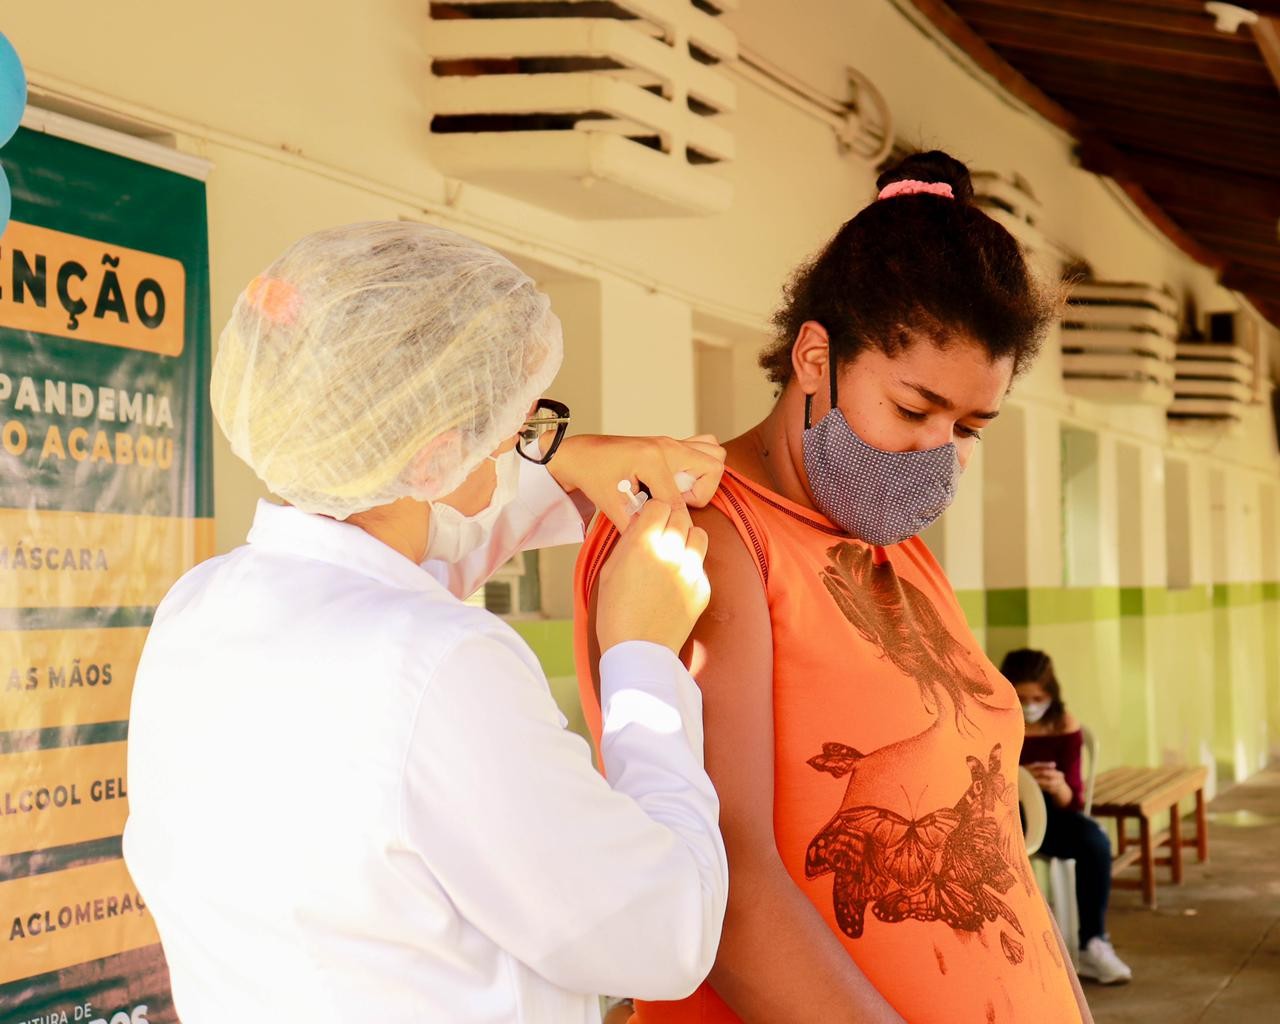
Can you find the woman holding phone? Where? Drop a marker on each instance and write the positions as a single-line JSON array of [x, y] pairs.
[[1052, 753]]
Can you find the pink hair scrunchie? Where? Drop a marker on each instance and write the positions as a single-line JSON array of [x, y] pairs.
[[911, 187]]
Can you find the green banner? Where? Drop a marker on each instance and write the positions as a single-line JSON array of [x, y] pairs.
[[106, 498]]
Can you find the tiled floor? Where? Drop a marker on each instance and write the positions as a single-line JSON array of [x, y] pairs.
[[1210, 953]]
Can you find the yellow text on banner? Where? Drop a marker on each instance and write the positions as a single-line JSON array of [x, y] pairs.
[[92, 559], [73, 287], [62, 796], [52, 677], [70, 917]]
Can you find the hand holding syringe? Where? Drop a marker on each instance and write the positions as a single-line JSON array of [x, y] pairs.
[[635, 502], [680, 474]]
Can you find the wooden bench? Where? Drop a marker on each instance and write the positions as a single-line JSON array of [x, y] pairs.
[[1142, 793]]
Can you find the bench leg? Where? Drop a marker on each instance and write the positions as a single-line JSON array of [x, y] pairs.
[[1175, 845], [1122, 841], [1202, 828], [1148, 863]]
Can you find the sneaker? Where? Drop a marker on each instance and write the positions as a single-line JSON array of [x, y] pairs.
[[1099, 962]]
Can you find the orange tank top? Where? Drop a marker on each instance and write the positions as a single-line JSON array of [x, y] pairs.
[[895, 764]]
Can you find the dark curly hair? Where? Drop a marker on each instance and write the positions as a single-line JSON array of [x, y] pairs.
[[916, 266]]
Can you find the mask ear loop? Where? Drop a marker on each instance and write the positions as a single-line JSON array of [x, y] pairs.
[[831, 378]]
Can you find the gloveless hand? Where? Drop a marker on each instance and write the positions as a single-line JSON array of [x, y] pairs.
[[596, 463], [654, 587], [1051, 780]]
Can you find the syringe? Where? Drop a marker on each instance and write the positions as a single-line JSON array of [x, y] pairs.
[[635, 502]]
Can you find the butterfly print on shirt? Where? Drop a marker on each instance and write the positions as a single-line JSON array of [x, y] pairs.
[[899, 619], [946, 865]]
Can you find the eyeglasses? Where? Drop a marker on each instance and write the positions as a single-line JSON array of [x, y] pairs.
[[547, 416]]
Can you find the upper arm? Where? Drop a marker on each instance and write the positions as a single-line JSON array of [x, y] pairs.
[[730, 654]]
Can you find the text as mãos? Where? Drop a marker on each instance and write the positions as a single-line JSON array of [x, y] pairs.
[[60, 677]]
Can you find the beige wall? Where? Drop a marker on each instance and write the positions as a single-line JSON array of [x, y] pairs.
[[315, 114]]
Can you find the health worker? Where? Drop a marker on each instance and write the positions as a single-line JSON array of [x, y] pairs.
[[352, 794]]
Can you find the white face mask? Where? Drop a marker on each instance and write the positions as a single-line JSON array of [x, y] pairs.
[[1035, 711], [452, 536]]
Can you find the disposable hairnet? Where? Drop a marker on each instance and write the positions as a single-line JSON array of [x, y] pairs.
[[380, 360]]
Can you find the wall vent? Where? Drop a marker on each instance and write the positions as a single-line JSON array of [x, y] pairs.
[[1215, 382], [1119, 342], [1007, 198], [593, 109]]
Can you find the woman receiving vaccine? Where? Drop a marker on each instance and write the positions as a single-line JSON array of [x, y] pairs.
[[864, 748]]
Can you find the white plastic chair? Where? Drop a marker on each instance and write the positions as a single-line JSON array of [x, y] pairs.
[[1034, 816], [1060, 872]]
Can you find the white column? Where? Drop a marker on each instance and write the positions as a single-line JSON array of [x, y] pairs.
[[628, 369], [647, 362], [1005, 501]]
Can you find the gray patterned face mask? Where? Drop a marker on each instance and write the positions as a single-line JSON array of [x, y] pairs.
[[877, 496]]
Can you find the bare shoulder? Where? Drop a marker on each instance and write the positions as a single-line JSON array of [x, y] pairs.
[[730, 655], [736, 622], [724, 544], [737, 591], [1070, 723]]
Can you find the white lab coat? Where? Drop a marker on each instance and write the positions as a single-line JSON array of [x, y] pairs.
[[353, 798]]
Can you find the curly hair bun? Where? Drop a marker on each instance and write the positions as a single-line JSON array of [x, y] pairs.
[[934, 166]]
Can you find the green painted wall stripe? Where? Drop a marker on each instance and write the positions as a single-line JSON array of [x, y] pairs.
[[1074, 604], [1012, 608], [1234, 595], [1132, 602], [1041, 605], [974, 605], [552, 642], [1020, 607], [1152, 601], [1008, 607]]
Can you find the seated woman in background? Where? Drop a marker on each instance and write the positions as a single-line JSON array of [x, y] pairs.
[[1051, 752]]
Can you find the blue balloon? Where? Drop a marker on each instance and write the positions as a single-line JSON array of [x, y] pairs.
[[13, 90], [6, 202]]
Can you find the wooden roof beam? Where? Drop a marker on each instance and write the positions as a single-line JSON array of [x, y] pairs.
[[1108, 87], [1266, 33], [1179, 181], [1191, 22], [1251, 282], [1243, 68], [1203, 222]]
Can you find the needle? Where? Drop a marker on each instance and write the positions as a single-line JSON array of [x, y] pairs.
[[635, 502]]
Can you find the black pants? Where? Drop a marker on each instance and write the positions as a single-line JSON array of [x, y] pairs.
[[1071, 834]]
